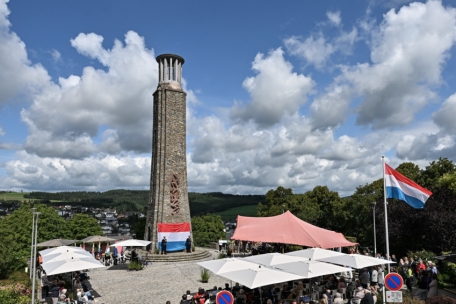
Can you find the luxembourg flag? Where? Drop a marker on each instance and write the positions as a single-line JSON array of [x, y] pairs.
[[402, 188], [176, 235]]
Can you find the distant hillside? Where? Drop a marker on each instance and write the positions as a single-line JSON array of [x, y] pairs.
[[136, 200]]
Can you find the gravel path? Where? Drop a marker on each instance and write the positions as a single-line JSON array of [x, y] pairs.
[[156, 284]]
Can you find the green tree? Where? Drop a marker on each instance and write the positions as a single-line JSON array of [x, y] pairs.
[[82, 225], [207, 228], [409, 170], [436, 169], [10, 260], [16, 231], [277, 201]]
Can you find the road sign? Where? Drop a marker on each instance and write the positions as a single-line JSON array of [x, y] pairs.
[[224, 297], [393, 281], [394, 296]]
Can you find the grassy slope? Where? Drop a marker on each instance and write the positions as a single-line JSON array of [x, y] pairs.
[[232, 213]]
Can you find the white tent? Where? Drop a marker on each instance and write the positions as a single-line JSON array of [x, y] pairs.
[[315, 253], [311, 269], [70, 265], [259, 276], [131, 243], [355, 260], [272, 259], [61, 250], [227, 265]]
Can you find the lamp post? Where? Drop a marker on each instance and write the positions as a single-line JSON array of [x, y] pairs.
[[34, 256], [375, 237], [33, 239]]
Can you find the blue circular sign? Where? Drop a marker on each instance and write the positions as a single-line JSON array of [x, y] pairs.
[[393, 281], [224, 297]]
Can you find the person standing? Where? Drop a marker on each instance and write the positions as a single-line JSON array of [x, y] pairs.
[[409, 278], [188, 244], [380, 277], [374, 278], [55, 291], [433, 287], [163, 245]]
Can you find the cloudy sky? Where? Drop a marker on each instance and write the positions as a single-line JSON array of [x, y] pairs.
[[299, 94]]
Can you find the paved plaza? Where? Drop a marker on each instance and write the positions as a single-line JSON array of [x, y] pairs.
[[157, 283]]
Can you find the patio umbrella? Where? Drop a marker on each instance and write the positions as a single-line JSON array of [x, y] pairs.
[[227, 265], [70, 265], [271, 259], [131, 243], [447, 257], [315, 253], [260, 276], [60, 250], [97, 238], [55, 243], [311, 269], [355, 260], [65, 256]]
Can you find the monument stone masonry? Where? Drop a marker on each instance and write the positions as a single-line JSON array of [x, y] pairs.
[[168, 199]]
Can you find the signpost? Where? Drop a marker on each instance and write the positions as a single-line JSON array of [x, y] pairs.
[[224, 297], [393, 281], [394, 296]]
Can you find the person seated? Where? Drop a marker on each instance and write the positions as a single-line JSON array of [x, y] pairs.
[[241, 298], [324, 299], [305, 299], [87, 291], [341, 284], [359, 294], [338, 299], [82, 297], [200, 297], [63, 296], [188, 295], [227, 287], [367, 299], [184, 299], [236, 288], [299, 287], [328, 295]]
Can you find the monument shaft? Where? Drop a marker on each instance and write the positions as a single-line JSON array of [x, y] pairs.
[[168, 199]]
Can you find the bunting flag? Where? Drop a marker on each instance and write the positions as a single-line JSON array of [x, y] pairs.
[[400, 187], [176, 234]]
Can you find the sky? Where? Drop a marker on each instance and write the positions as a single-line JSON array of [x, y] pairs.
[[297, 94]]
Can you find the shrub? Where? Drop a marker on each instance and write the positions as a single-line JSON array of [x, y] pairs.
[[221, 255], [134, 266], [205, 275], [441, 300], [421, 254]]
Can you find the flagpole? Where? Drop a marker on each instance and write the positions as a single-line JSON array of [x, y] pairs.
[[386, 225], [386, 214]]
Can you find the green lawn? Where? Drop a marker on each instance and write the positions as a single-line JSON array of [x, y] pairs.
[[232, 213], [17, 196]]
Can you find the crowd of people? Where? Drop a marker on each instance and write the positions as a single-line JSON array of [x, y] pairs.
[[56, 288]]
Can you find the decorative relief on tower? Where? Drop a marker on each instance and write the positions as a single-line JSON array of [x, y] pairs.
[[174, 194]]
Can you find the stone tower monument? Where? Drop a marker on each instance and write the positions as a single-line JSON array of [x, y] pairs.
[[168, 200]]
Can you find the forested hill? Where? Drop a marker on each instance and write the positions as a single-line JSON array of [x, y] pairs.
[[136, 200]]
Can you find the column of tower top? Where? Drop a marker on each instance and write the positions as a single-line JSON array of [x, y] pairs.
[[170, 69]]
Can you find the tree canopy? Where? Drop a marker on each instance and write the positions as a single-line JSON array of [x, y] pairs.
[[207, 228]]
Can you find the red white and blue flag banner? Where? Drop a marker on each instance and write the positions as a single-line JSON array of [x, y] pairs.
[[176, 234], [400, 187]]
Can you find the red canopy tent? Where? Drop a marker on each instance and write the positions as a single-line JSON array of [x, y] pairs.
[[287, 229]]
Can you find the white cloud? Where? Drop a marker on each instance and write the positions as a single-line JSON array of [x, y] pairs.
[[445, 116], [69, 114], [408, 52], [334, 17], [276, 90], [1, 131], [315, 50], [56, 56]]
